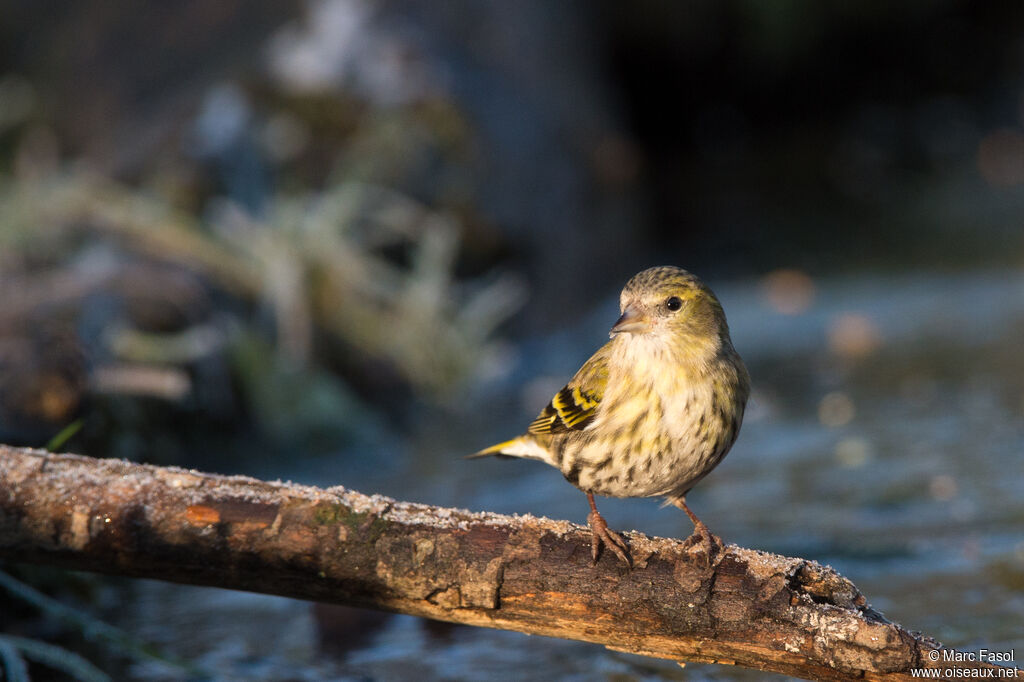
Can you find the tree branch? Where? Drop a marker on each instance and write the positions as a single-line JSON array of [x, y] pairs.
[[520, 573]]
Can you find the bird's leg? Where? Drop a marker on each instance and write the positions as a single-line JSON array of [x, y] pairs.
[[701, 535], [601, 534]]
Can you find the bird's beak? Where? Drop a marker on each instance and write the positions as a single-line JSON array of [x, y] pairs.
[[631, 321]]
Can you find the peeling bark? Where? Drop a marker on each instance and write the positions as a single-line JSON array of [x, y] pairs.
[[522, 573]]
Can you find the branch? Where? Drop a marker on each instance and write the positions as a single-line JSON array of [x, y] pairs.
[[520, 573]]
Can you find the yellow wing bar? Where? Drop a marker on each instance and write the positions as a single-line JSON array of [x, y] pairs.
[[572, 408]]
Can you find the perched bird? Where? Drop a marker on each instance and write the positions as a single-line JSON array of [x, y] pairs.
[[653, 410]]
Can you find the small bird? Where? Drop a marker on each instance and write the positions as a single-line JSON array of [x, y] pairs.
[[653, 411]]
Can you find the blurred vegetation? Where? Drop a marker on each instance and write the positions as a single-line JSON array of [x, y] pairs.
[[15, 649], [115, 292]]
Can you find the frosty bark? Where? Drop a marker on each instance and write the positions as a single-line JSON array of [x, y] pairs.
[[527, 574]]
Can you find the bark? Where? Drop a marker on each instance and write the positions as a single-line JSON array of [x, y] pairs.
[[522, 573]]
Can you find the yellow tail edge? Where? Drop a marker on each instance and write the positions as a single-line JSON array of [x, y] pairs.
[[494, 449]]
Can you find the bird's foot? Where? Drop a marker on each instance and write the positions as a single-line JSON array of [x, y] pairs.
[[601, 535], [709, 544], [705, 542]]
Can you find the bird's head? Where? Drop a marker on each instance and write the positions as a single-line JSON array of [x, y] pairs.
[[669, 303]]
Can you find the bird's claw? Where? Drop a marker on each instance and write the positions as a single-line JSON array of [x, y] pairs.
[[601, 535], [707, 542]]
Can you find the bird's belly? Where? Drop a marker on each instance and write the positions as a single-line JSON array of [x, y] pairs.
[[652, 463], [641, 472]]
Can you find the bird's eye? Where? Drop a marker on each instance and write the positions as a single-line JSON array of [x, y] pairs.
[[673, 303]]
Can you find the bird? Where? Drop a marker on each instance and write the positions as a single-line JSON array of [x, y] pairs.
[[652, 412]]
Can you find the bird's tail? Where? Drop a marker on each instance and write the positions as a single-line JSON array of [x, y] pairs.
[[523, 446], [498, 449]]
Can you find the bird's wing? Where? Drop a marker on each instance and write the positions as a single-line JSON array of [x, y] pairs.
[[575, 406]]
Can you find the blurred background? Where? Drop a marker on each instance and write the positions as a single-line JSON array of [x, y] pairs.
[[350, 241]]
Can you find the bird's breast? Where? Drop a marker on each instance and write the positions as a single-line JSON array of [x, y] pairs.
[[657, 432]]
